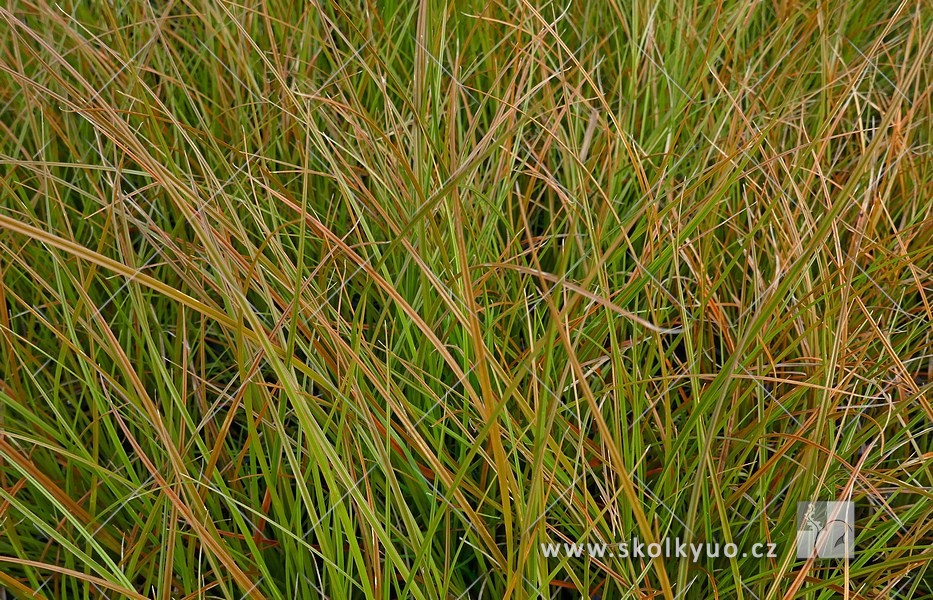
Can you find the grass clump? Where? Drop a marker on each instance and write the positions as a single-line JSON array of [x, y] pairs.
[[370, 300]]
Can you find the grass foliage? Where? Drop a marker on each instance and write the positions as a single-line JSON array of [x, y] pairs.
[[370, 299]]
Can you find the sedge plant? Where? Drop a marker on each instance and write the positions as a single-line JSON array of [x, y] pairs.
[[379, 300]]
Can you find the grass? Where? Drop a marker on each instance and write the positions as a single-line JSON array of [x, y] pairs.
[[370, 300]]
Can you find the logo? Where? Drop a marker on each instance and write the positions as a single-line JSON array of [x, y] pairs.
[[825, 530]]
